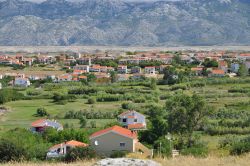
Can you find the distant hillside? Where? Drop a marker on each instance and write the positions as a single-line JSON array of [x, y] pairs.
[[115, 22]]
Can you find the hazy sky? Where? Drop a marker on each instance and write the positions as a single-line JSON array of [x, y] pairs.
[[123, 0]]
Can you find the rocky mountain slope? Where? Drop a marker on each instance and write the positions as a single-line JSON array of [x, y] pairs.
[[117, 22]]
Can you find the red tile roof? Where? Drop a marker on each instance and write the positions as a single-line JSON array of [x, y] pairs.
[[196, 69], [136, 126], [116, 129], [217, 71], [70, 143], [37, 122]]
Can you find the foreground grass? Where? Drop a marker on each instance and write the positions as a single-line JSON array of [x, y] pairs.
[[179, 161], [209, 161]]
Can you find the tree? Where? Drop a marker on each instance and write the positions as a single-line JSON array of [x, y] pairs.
[[153, 84], [170, 75], [91, 77], [157, 127], [83, 121], [186, 114], [177, 59], [113, 76], [242, 72], [210, 63]]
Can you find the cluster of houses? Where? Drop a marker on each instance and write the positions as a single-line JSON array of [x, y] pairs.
[[104, 142], [128, 65]]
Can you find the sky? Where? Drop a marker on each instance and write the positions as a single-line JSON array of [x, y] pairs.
[[123, 0]]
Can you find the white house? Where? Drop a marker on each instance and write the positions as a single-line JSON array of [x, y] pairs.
[[41, 124], [122, 69], [61, 149], [22, 82], [132, 120], [235, 67], [149, 70], [81, 67]]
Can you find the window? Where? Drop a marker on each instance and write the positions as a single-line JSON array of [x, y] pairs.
[[135, 120], [122, 144], [124, 120]]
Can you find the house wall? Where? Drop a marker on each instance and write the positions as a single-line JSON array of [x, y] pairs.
[[110, 142], [140, 118]]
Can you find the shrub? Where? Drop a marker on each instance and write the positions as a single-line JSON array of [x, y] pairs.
[[21, 144], [118, 154], [33, 92], [79, 153], [240, 147], [91, 100], [41, 112], [7, 95], [140, 100], [179, 86], [10, 151], [93, 124], [165, 146], [83, 122], [127, 106], [198, 150]]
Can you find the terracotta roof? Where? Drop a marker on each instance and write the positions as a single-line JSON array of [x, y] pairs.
[[246, 54], [222, 63], [116, 129], [76, 143], [196, 68], [70, 143], [217, 71], [37, 122], [82, 77], [136, 126]]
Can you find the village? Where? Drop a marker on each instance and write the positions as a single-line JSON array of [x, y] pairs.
[[125, 65], [118, 103]]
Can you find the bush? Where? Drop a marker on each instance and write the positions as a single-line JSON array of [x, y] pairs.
[[140, 100], [41, 112], [118, 154], [179, 86], [79, 153], [21, 144], [241, 147], [90, 114], [10, 151], [165, 146], [127, 106], [91, 100], [33, 92], [7, 95], [198, 150]]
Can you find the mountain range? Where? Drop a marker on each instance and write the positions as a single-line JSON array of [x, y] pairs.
[[123, 23]]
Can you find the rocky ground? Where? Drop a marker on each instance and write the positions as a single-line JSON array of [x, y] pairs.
[[2, 110], [126, 162]]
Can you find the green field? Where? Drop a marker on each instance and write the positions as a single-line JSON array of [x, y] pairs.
[[22, 112]]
